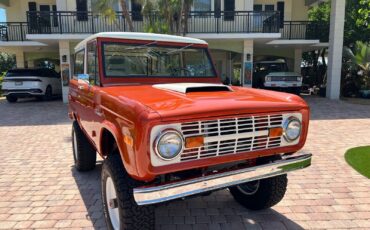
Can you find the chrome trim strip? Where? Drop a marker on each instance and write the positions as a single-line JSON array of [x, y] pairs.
[[161, 193]]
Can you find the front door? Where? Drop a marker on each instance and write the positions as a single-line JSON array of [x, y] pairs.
[[45, 19]]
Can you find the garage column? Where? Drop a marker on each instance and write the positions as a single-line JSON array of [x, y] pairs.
[[247, 64], [19, 56], [297, 60], [337, 16], [65, 67]]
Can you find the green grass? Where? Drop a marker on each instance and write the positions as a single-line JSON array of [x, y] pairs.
[[359, 159]]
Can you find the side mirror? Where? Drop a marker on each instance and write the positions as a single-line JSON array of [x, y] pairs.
[[83, 77]]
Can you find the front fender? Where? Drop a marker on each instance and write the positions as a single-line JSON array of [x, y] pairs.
[[127, 155]]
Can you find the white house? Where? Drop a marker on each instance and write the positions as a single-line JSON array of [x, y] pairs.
[[238, 32]]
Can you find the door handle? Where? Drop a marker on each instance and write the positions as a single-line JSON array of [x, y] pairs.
[[98, 111], [81, 87]]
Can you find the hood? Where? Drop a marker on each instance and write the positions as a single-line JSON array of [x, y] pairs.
[[172, 103]]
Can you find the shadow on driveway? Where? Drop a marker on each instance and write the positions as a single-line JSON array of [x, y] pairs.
[[30, 112]]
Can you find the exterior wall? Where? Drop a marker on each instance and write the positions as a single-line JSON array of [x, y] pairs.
[[16, 12], [295, 10]]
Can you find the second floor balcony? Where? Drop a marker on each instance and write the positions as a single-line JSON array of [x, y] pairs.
[[199, 22]]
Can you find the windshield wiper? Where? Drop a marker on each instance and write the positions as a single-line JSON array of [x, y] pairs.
[[141, 46], [178, 50]]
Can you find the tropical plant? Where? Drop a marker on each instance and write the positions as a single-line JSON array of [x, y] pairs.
[[105, 7], [166, 16], [360, 57]]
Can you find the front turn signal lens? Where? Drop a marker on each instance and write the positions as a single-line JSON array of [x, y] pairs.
[[194, 142], [276, 132]]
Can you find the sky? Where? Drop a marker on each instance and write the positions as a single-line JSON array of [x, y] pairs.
[[2, 15]]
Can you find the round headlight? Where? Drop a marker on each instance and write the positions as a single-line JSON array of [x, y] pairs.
[[267, 79], [292, 129], [169, 144]]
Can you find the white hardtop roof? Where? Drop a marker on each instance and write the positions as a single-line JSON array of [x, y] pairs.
[[141, 36]]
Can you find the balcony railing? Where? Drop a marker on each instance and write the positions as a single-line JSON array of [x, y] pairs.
[[68, 22], [233, 22], [305, 30], [13, 31]]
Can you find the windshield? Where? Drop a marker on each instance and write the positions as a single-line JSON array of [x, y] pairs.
[[149, 60], [271, 67]]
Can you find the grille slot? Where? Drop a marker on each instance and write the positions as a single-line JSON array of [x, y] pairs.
[[231, 135], [284, 78]]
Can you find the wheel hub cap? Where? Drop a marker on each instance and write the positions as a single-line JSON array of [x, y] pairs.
[[111, 198]]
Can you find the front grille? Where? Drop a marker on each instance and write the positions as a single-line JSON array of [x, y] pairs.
[[231, 135], [284, 78]]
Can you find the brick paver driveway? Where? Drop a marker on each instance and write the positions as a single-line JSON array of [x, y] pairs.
[[40, 189]]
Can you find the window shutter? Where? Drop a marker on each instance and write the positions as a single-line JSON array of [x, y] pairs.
[[81, 6]]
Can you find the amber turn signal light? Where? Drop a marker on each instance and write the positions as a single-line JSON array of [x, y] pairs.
[[194, 142], [128, 140], [276, 132]]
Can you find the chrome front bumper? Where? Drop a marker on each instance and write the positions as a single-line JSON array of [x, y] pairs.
[[161, 193]]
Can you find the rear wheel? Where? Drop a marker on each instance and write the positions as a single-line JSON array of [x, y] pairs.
[[11, 99], [120, 209], [48, 94], [84, 153], [261, 194]]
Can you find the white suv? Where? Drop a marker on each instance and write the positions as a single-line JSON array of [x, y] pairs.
[[40, 83]]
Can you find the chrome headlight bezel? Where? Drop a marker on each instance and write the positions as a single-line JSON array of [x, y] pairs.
[[286, 126], [162, 135]]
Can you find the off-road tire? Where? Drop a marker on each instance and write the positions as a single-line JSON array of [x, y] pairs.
[[11, 99], [270, 192], [48, 96], [84, 153], [131, 215]]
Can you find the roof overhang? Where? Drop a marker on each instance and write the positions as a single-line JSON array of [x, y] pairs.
[[5, 3]]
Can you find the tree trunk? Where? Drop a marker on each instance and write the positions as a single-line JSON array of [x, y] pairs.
[[186, 17], [126, 14]]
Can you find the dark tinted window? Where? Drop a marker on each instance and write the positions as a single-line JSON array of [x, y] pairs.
[[79, 62], [31, 72], [269, 7], [257, 7]]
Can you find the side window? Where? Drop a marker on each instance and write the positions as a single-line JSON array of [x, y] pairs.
[[79, 62], [269, 7], [92, 64]]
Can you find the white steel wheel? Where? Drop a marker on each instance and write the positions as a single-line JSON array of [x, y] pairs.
[[75, 148], [84, 154], [111, 199], [249, 188]]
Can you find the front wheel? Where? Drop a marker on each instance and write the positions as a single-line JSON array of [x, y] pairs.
[[11, 99], [120, 208], [48, 94], [261, 194]]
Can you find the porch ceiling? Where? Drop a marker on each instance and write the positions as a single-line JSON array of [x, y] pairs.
[[305, 45], [5, 3]]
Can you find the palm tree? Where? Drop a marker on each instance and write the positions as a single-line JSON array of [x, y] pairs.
[[361, 58], [166, 16], [105, 7]]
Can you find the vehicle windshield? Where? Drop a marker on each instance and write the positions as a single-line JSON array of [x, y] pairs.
[[271, 67], [151, 60]]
